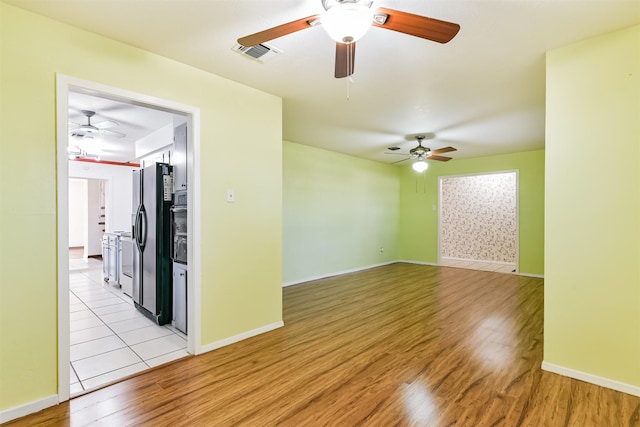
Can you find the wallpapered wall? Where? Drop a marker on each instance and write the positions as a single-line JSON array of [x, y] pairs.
[[479, 217]]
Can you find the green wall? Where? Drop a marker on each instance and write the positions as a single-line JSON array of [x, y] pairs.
[[419, 206], [338, 212], [592, 253], [235, 299]]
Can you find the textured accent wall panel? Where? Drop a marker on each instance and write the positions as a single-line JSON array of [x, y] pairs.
[[479, 217]]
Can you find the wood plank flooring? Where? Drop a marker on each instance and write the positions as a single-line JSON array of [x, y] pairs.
[[399, 345]]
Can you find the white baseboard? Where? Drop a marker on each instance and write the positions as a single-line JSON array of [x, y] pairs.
[[353, 270], [29, 408], [536, 276], [418, 262], [243, 336], [337, 273], [593, 379], [446, 258]]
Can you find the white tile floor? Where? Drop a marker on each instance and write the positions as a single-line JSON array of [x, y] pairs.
[[110, 338], [498, 267]]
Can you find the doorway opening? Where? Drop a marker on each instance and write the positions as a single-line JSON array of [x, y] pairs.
[[87, 220], [478, 221], [103, 336]]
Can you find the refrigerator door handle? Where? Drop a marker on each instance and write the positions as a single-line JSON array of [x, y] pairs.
[[143, 236], [136, 228]]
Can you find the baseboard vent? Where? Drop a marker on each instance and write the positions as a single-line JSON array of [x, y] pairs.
[[261, 52]]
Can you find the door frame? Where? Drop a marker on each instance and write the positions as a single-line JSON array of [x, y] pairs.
[[64, 85], [517, 173]]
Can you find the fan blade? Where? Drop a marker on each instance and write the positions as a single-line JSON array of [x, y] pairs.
[[106, 124], [443, 150], [279, 31], [439, 158], [398, 154], [345, 59], [416, 25], [113, 133]]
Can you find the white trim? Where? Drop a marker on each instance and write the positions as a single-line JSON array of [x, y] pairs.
[[420, 262], [64, 349], [64, 84], [243, 336], [590, 378], [446, 258], [337, 273], [194, 244], [537, 276], [29, 408], [406, 261]]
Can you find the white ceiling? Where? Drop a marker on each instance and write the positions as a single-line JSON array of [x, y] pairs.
[[132, 121], [483, 92]]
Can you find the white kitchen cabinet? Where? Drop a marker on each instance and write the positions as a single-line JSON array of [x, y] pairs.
[[180, 158], [180, 296]]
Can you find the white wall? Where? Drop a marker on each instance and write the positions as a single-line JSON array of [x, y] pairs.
[[118, 195], [155, 141]]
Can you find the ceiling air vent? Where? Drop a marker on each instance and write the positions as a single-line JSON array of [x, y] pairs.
[[260, 52]]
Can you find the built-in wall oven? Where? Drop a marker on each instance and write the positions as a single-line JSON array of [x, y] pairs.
[[179, 228]]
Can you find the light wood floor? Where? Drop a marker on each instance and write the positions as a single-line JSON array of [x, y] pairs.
[[395, 345]]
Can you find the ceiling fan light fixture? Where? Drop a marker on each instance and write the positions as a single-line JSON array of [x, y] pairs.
[[348, 22], [89, 128], [420, 166]]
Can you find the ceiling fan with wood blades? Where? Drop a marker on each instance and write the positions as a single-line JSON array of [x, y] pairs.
[[90, 130], [422, 153], [346, 21]]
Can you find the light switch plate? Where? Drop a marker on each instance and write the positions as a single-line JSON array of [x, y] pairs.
[[231, 196]]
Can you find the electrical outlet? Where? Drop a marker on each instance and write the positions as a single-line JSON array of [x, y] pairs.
[[381, 249]]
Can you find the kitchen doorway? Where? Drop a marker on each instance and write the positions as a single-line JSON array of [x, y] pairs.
[[109, 338], [478, 221], [90, 306]]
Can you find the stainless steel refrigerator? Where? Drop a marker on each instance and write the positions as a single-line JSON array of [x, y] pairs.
[[152, 265]]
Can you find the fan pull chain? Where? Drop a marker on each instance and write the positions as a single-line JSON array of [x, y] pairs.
[[424, 182], [348, 71], [349, 68]]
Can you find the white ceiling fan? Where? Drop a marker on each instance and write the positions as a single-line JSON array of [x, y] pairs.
[[76, 152], [90, 130]]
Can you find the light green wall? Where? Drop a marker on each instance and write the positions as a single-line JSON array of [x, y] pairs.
[[592, 252], [338, 212], [235, 298], [419, 206]]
